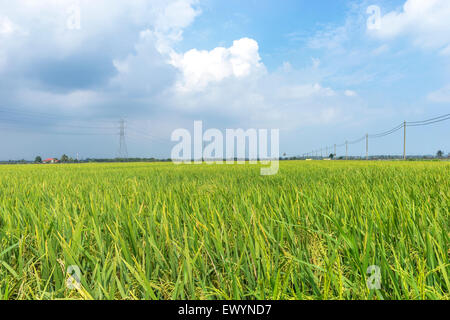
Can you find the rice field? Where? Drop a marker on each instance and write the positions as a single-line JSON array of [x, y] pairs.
[[160, 231]]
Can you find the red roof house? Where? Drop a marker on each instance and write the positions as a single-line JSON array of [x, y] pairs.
[[51, 160]]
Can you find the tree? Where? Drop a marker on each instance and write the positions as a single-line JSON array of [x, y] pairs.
[[38, 159], [64, 158], [439, 154], [331, 156]]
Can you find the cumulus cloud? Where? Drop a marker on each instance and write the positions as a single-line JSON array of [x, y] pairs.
[[199, 68], [88, 71], [425, 21], [284, 99], [233, 84], [46, 30], [117, 51]]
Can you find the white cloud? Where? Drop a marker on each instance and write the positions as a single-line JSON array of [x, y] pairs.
[[102, 19], [305, 91], [330, 38], [316, 62], [350, 93], [287, 66], [200, 68], [231, 83], [427, 22], [177, 15], [285, 98], [441, 96], [6, 26], [107, 35]]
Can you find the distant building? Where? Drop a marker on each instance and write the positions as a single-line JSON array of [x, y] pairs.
[[51, 160]]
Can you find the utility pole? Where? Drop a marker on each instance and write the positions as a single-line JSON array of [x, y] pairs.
[[335, 154], [326, 153], [346, 150], [367, 146], [404, 140], [123, 153]]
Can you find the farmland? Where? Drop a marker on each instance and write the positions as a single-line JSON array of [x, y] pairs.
[[161, 231]]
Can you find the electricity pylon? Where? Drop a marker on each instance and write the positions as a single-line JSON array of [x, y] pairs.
[[123, 153]]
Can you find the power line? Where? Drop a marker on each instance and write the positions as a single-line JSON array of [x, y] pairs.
[[426, 123], [357, 140], [386, 133], [59, 124], [28, 121], [46, 131], [149, 136], [391, 131], [418, 122], [58, 116]]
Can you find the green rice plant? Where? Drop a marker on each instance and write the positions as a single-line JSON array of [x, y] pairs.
[[165, 231]]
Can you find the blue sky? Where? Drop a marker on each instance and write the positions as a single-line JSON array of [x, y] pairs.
[[69, 70]]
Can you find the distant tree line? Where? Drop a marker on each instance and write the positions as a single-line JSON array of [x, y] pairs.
[[439, 155], [127, 160], [66, 159]]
